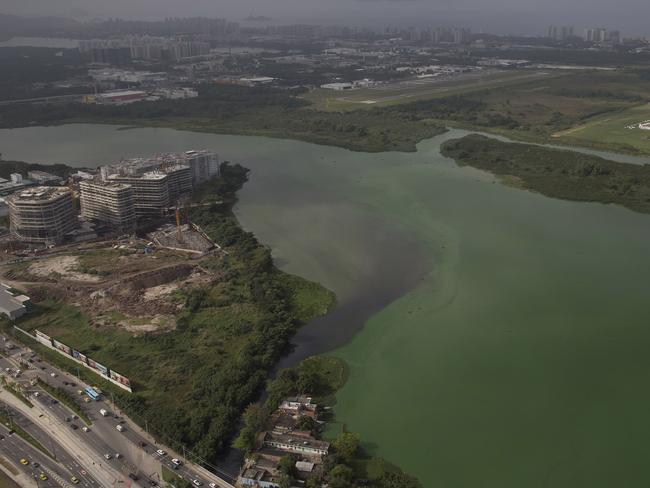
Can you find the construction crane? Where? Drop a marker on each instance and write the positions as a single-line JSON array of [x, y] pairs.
[[179, 233]]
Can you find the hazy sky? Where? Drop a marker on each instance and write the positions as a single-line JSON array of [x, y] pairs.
[[501, 16]]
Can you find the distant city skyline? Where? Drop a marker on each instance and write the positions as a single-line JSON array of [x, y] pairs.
[[519, 17]]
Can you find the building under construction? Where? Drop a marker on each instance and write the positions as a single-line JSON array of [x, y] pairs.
[[108, 203], [156, 184], [202, 164], [41, 215], [150, 192]]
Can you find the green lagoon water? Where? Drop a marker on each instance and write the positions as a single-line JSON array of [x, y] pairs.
[[496, 337]]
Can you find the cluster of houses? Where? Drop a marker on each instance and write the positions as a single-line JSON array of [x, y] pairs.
[[284, 437]]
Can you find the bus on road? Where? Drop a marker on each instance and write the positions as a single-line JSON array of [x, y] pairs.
[[92, 393]]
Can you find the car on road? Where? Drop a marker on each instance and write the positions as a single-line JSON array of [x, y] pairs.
[[37, 394], [85, 429], [133, 477], [176, 462], [107, 456], [53, 375], [197, 483], [73, 427], [120, 427], [212, 485], [35, 464], [160, 452], [24, 462], [74, 480], [42, 477], [118, 455]]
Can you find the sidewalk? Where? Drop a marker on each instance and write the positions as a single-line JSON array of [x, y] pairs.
[[20, 479]]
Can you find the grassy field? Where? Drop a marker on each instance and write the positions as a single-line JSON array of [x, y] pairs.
[[572, 107], [611, 130]]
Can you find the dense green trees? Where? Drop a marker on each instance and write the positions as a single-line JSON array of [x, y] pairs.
[[557, 173], [346, 445]]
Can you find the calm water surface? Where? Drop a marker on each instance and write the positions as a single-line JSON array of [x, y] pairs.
[[496, 337]]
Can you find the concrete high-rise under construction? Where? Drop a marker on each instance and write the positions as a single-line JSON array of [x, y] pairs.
[[150, 192], [42, 215], [108, 203]]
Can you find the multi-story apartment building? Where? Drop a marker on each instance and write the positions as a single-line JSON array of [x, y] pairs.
[[150, 192], [108, 203], [41, 215]]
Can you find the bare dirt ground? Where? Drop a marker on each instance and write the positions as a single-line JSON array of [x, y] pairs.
[[65, 267], [133, 291]]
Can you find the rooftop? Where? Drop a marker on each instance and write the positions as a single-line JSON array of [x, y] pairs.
[[296, 440], [10, 301], [39, 194], [149, 175], [113, 184]]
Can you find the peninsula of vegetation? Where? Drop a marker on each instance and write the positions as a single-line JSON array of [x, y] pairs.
[[556, 173], [198, 349]]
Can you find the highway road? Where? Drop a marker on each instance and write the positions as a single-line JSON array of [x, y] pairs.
[[14, 448], [61, 456], [132, 451]]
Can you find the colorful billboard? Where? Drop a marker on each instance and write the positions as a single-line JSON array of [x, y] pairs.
[[44, 339], [102, 369], [62, 347], [99, 367], [123, 380], [77, 355]]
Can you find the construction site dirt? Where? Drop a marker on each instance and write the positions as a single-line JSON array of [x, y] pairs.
[[131, 284]]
